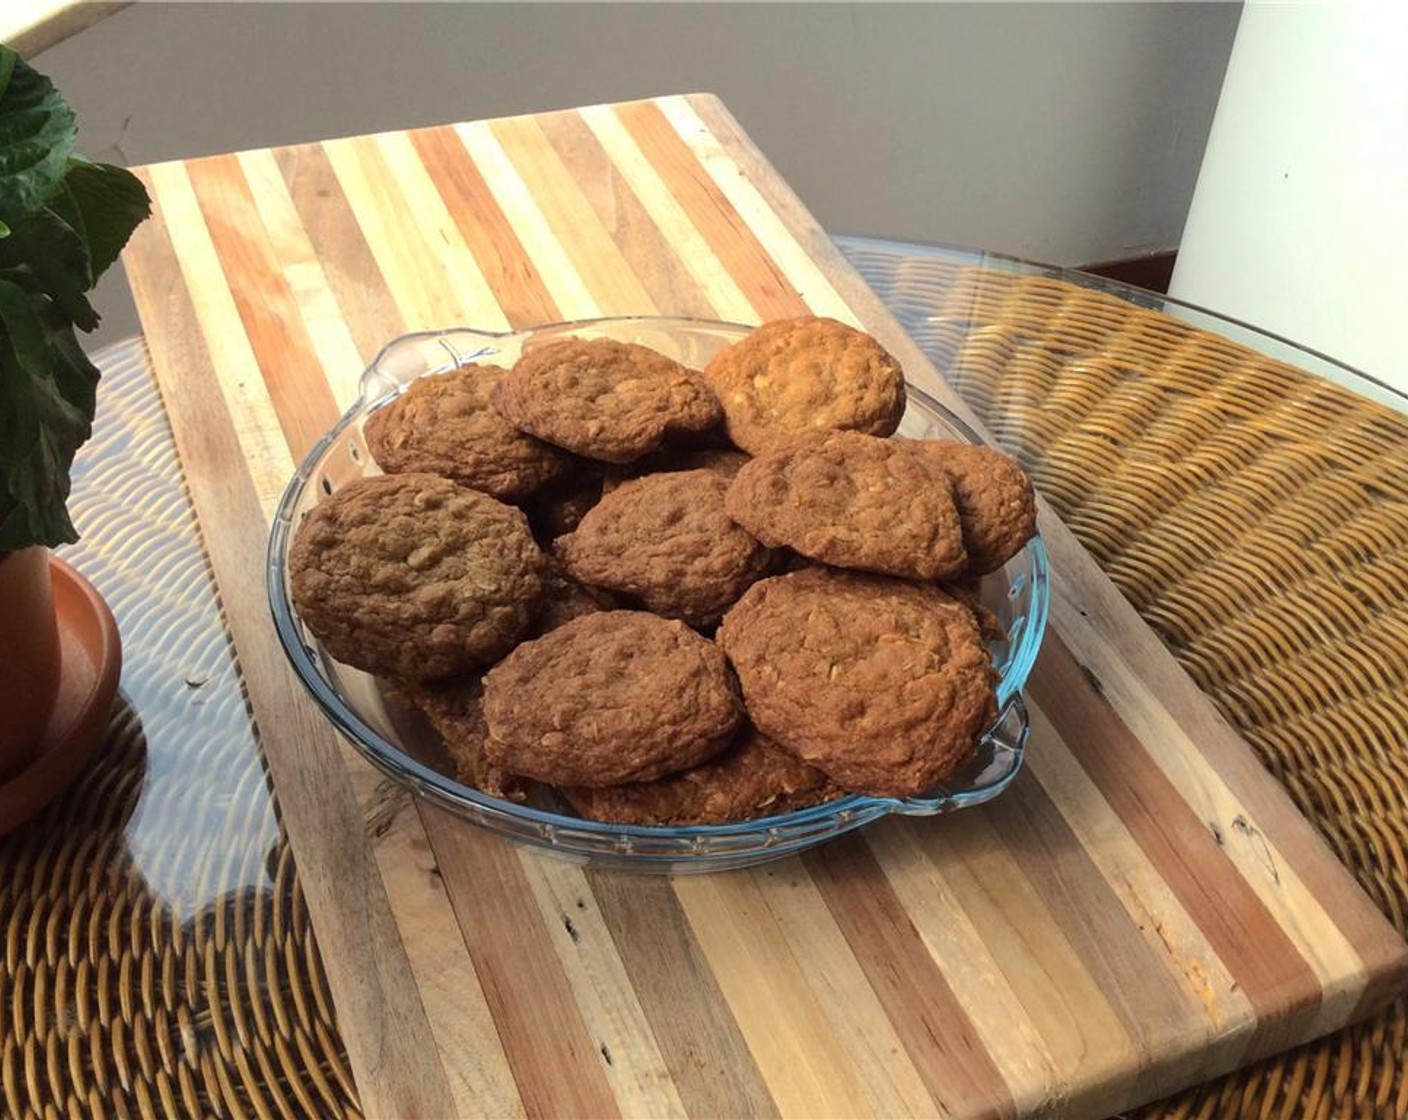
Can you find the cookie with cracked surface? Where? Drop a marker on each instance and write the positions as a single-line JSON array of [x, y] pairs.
[[853, 501], [793, 376], [724, 461], [666, 540], [559, 507], [618, 696], [883, 684], [455, 711], [445, 425], [995, 500], [414, 576], [753, 778], [566, 598], [607, 400]]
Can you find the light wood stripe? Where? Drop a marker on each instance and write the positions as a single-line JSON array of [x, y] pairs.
[[1240, 834], [960, 946], [266, 458], [838, 983], [272, 322], [325, 213], [800, 1058], [388, 1039], [555, 1061], [1175, 942], [459, 1014], [709, 1061], [1150, 1000], [486, 230], [709, 211], [652, 224], [424, 294], [613, 1016], [303, 276], [811, 284], [464, 286], [1257, 952], [595, 257], [567, 287], [936, 1031]]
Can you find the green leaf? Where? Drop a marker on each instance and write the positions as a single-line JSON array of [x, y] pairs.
[[104, 204], [8, 58], [40, 430], [48, 256], [37, 136]]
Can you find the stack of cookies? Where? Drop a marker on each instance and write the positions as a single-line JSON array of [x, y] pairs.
[[670, 596]]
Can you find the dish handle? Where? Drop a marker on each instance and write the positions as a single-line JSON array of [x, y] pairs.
[[404, 359], [999, 759]]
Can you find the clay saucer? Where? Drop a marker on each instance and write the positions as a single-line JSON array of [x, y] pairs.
[[92, 662]]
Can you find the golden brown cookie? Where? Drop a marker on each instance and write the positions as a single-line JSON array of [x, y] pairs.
[[722, 460], [995, 500], [883, 684], [619, 696], [794, 376], [565, 598], [445, 425], [753, 778], [560, 506], [666, 540], [607, 400], [853, 501], [455, 709], [414, 576]]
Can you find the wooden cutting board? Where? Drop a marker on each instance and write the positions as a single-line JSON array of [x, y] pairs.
[[1144, 909]]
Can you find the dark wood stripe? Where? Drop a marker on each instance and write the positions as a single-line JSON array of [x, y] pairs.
[[513, 278], [931, 1023], [728, 235], [347, 261], [653, 259], [1257, 953], [705, 1052], [387, 1036], [271, 316], [556, 1063]]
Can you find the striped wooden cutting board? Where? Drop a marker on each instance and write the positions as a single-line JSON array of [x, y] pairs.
[[1143, 910]]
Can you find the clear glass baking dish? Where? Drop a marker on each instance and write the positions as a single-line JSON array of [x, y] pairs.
[[1017, 595]]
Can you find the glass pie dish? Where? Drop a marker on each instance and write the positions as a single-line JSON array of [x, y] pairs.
[[404, 750]]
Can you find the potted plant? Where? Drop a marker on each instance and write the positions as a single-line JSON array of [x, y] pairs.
[[63, 222]]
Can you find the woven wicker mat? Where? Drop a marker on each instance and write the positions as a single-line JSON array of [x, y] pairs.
[[159, 960]]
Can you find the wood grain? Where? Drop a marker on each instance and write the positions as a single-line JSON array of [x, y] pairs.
[[1143, 909]]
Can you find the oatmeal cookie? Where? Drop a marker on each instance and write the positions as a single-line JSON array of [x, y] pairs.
[[565, 598], [618, 696], [666, 540], [607, 400], [995, 500], [801, 375], [414, 576], [883, 684], [753, 778], [445, 425], [854, 501], [559, 507], [455, 710], [724, 461]]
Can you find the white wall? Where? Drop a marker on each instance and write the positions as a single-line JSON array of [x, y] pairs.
[[1299, 223], [1066, 132]]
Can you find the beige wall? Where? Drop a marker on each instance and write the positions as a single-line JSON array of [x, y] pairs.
[[1066, 132]]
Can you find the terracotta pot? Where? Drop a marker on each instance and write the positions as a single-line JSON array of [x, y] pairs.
[[29, 640]]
